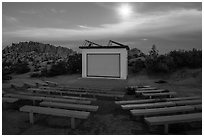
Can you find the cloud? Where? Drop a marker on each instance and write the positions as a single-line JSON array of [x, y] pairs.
[[161, 25], [84, 27], [56, 11], [30, 12], [10, 19]]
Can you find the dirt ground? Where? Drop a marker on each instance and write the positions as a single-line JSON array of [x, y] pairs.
[[110, 119]]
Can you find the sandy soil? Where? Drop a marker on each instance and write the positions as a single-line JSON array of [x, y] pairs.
[[110, 119]]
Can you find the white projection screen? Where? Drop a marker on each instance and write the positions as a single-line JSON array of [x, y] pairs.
[[103, 65]]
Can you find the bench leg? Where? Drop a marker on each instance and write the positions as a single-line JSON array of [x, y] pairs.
[[31, 117], [72, 123], [166, 129]]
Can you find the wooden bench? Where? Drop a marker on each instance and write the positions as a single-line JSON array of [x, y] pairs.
[[9, 100], [106, 95], [150, 95], [148, 88], [69, 106], [183, 98], [173, 119], [49, 91], [151, 91], [55, 112], [58, 96], [52, 84], [136, 101], [188, 102], [145, 86], [159, 111], [149, 105], [25, 97], [84, 90], [40, 98], [77, 93]]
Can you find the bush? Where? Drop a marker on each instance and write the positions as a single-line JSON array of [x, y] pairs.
[[189, 59], [173, 60], [74, 63], [57, 69], [138, 65], [21, 67]]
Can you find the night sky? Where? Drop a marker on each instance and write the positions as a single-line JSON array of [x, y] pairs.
[[170, 26]]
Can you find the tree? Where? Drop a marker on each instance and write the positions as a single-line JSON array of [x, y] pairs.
[[153, 53]]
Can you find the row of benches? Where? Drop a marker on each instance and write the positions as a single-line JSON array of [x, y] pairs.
[[30, 84], [161, 103], [82, 89], [165, 107], [150, 92], [74, 108], [77, 92]]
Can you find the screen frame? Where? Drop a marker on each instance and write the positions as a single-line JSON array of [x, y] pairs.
[[103, 54]]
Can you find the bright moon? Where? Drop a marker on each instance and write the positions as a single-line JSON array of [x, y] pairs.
[[125, 10]]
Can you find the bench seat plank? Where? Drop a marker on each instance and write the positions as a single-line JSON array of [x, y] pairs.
[[67, 100], [183, 98], [55, 111], [9, 100], [69, 106], [144, 86], [58, 96], [77, 92], [57, 91], [159, 120], [19, 96], [149, 105], [159, 94], [107, 95], [158, 111], [148, 88], [188, 102], [151, 91], [136, 101], [83, 90]]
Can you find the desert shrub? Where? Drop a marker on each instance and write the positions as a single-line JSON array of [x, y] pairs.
[[74, 63], [21, 67], [189, 59], [138, 65], [164, 63], [159, 63], [151, 60], [58, 69]]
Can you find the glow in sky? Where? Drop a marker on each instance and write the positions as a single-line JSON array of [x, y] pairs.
[[167, 25], [125, 10]]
